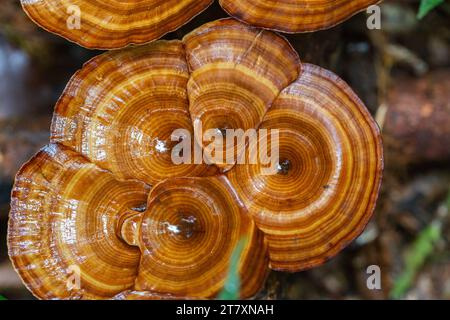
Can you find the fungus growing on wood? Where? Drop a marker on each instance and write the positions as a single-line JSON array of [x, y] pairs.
[[82, 201], [112, 24], [294, 16]]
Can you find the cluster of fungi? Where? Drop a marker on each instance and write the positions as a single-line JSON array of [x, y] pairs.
[[115, 24], [105, 196]]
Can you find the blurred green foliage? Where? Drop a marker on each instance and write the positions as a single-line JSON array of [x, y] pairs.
[[415, 259], [2, 297], [426, 6], [417, 255], [233, 283]]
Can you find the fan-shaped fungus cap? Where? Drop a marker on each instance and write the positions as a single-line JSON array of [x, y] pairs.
[[294, 15], [187, 237], [64, 212], [237, 71], [112, 24], [328, 177], [121, 109]]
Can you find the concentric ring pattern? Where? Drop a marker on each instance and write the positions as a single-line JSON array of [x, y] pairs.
[[104, 197], [121, 109], [187, 217], [62, 222], [332, 156], [112, 24], [293, 16]]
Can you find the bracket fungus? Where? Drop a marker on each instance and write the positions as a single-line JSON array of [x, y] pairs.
[[187, 236], [105, 197], [121, 109], [112, 24], [236, 74], [293, 16], [98, 25], [63, 215], [329, 172]]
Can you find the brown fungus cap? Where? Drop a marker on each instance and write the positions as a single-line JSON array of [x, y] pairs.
[[294, 16], [64, 212], [236, 73], [121, 109], [112, 133], [329, 173], [188, 234], [112, 24]]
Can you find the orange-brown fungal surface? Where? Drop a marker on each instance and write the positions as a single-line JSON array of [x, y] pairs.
[[188, 234], [236, 73], [294, 15], [62, 226], [82, 201], [329, 172], [112, 24], [121, 109]]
